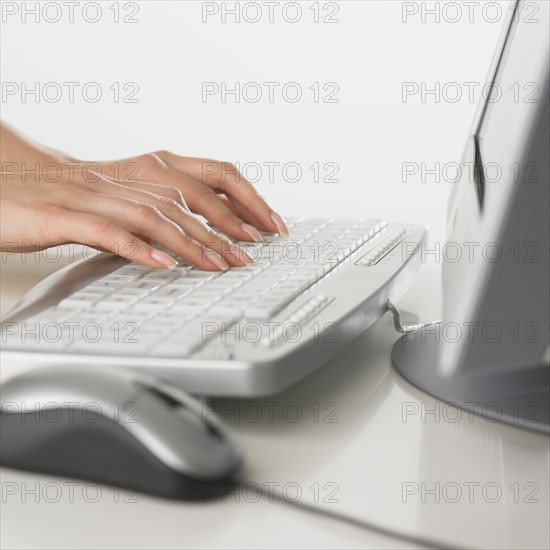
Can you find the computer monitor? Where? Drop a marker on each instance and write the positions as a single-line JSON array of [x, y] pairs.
[[492, 350]]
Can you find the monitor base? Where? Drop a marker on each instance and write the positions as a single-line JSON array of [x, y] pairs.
[[521, 398]]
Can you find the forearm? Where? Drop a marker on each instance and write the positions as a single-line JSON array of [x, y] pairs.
[[158, 202], [25, 153]]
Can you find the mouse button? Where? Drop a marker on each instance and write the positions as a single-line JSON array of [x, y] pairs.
[[75, 387], [191, 408], [176, 395], [177, 406], [152, 387], [176, 439], [191, 418]]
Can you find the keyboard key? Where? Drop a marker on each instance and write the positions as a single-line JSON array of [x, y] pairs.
[[148, 286], [54, 313], [117, 278], [305, 312], [134, 269], [176, 293], [184, 282], [389, 241], [193, 335], [221, 288], [236, 277], [90, 316], [252, 269], [131, 293], [154, 303], [229, 307], [202, 275], [116, 303], [107, 345], [103, 290], [80, 300], [180, 271], [133, 316], [269, 306], [182, 343], [104, 284], [189, 306], [206, 295], [159, 276]]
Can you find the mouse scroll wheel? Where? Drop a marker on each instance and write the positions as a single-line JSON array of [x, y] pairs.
[[194, 419], [190, 417], [182, 411]]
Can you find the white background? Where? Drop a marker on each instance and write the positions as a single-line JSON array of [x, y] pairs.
[[170, 52], [369, 133]]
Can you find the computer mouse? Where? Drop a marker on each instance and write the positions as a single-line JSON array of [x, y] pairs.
[[116, 427]]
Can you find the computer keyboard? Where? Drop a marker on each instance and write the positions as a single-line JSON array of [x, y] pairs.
[[247, 331]]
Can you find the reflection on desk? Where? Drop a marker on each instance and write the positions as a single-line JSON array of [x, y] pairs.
[[354, 438]]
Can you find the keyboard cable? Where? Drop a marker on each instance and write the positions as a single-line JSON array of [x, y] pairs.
[[406, 328]]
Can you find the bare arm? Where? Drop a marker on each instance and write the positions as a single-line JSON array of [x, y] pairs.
[[18, 149], [121, 206]]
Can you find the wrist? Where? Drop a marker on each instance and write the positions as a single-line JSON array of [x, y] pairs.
[[58, 157]]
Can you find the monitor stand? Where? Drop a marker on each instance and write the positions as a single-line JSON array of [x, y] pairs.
[[519, 397]]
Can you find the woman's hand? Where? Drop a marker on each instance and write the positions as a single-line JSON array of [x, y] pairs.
[[215, 190], [121, 206]]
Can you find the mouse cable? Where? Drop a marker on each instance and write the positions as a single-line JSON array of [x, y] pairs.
[[421, 541]]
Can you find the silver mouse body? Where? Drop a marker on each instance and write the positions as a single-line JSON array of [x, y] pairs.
[[117, 427]]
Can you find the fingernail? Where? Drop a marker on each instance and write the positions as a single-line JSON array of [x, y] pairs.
[[280, 223], [216, 259], [163, 259], [240, 253], [252, 232]]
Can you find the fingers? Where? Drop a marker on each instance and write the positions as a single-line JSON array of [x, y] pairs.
[[224, 176], [239, 210], [143, 218], [99, 232], [212, 240], [193, 227], [203, 200], [199, 182]]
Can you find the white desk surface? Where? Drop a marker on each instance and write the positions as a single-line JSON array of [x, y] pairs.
[[370, 455]]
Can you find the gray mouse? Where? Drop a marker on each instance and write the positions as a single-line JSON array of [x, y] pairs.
[[116, 427]]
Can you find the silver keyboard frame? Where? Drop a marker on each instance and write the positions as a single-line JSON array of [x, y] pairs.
[[360, 296]]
